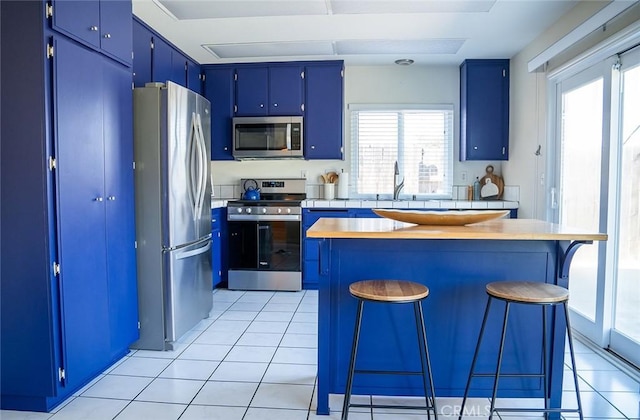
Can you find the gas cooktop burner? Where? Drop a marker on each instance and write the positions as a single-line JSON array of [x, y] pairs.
[[284, 192]]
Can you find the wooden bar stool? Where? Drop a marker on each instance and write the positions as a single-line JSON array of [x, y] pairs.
[[529, 293], [392, 291]]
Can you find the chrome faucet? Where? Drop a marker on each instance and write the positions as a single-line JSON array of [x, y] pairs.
[[396, 187]]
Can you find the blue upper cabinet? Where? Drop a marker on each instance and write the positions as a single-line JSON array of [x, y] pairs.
[[218, 89], [269, 90], [484, 110], [115, 36], [156, 60], [142, 52], [323, 138], [286, 90], [161, 61], [310, 89], [194, 82], [252, 91], [104, 25]]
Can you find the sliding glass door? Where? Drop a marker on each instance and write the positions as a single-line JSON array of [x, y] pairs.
[[625, 331], [597, 186], [582, 136]]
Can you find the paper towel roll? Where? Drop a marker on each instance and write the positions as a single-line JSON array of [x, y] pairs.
[[343, 185]]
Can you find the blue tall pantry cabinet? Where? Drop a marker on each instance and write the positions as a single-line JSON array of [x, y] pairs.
[[68, 296]]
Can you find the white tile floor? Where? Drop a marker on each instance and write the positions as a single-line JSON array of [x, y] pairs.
[[255, 358]]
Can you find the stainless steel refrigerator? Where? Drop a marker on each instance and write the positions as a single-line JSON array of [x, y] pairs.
[[172, 132]]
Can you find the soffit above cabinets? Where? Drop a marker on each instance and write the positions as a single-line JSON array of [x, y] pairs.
[[360, 32], [219, 9]]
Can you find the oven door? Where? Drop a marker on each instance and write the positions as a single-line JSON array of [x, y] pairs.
[[265, 255]]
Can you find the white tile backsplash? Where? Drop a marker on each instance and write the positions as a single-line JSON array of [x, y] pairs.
[[510, 199]]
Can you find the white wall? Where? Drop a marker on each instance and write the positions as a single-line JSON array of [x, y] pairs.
[[366, 84]]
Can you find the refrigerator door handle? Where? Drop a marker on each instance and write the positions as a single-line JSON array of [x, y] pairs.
[[193, 193], [193, 252], [202, 154]]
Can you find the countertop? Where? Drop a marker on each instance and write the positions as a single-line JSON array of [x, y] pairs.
[[390, 204], [411, 204], [500, 229]]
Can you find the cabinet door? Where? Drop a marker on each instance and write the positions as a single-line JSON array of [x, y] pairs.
[[218, 89], [161, 61], [142, 51], [484, 105], [216, 257], [323, 112], [252, 91], [178, 68], [120, 207], [116, 29], [80, 203], [79, 19], [285, 90], [193, 76]]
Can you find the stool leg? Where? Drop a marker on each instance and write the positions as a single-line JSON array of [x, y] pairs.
[[424, 355], [545, 371], [475, 357], [502, 339], [573, 359], [352, 361]]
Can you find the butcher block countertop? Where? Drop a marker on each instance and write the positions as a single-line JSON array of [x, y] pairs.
[[499, 229]]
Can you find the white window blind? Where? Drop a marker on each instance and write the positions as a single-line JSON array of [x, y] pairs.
[[420, 140]]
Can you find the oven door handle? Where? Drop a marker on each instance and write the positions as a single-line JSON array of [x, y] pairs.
[[265, 229]]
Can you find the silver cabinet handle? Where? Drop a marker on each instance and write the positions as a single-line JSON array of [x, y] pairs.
[[107, 36], [275, 105], [97, 199], [93, 28], [111, 198], [261, 105]]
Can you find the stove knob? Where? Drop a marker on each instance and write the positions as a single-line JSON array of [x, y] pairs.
[[279, 211], [239, 209], [288, 210], [264, 210], [249, 210]]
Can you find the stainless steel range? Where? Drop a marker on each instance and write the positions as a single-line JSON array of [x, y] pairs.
[[265, 236]]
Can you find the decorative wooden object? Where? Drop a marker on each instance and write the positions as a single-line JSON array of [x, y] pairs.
[[491, 185]]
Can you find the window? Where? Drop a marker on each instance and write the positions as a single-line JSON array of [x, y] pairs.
[[420, 140]]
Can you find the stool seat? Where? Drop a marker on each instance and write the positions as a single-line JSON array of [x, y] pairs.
[[389, 290], [528, 292]]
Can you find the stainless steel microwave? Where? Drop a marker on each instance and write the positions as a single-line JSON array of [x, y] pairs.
[[267, 137]]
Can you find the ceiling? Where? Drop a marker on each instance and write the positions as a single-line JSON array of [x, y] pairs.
[[360, 32]]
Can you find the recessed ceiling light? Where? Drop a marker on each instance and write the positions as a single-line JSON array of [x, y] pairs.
[[404, 62]]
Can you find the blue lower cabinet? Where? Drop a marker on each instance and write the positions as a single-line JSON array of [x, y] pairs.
[[218, 246], [310, 252], [456, 272]]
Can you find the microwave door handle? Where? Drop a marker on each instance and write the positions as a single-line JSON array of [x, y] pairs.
[[288, 136]]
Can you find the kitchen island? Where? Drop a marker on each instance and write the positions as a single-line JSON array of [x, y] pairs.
[[455, 262]]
